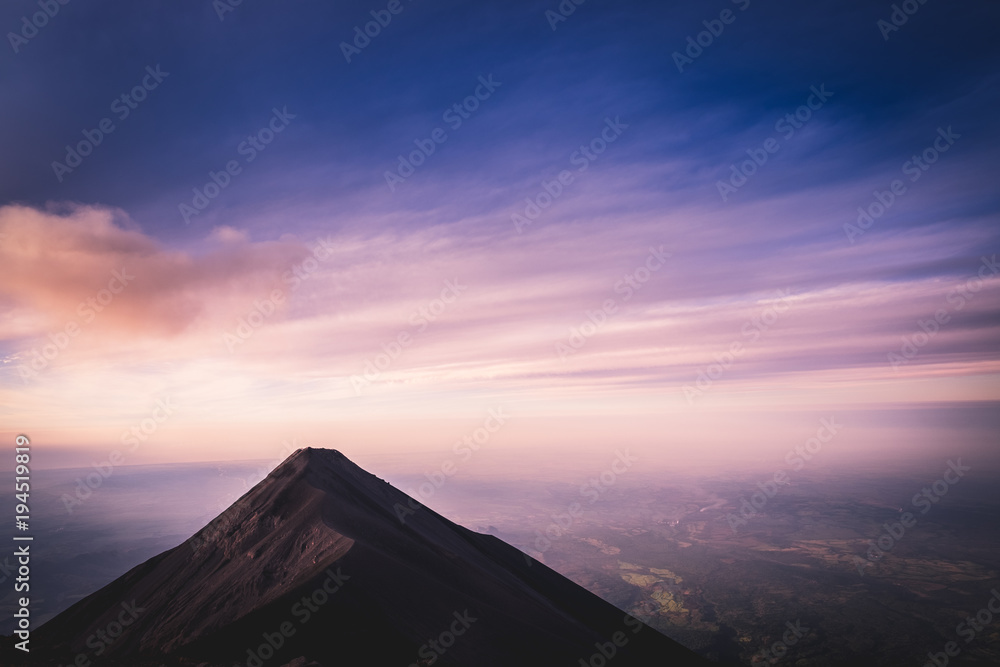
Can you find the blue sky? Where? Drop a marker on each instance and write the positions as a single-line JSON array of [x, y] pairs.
[[353, 119]]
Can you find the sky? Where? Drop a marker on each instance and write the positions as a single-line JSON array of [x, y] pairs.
[[697, 228]]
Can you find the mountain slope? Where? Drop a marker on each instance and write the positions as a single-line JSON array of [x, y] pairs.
[[314, 566]]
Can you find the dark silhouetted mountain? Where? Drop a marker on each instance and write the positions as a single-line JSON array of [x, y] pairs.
[[319, 566]]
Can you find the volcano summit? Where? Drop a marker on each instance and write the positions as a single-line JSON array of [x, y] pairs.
[[312, 567]]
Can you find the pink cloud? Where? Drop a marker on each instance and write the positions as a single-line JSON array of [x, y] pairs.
[[91, 265]]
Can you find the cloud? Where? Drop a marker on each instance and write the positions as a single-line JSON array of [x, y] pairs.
[[225, 234], [92, 265]]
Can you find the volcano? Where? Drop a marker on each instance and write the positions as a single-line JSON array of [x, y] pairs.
[[324, 564]]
